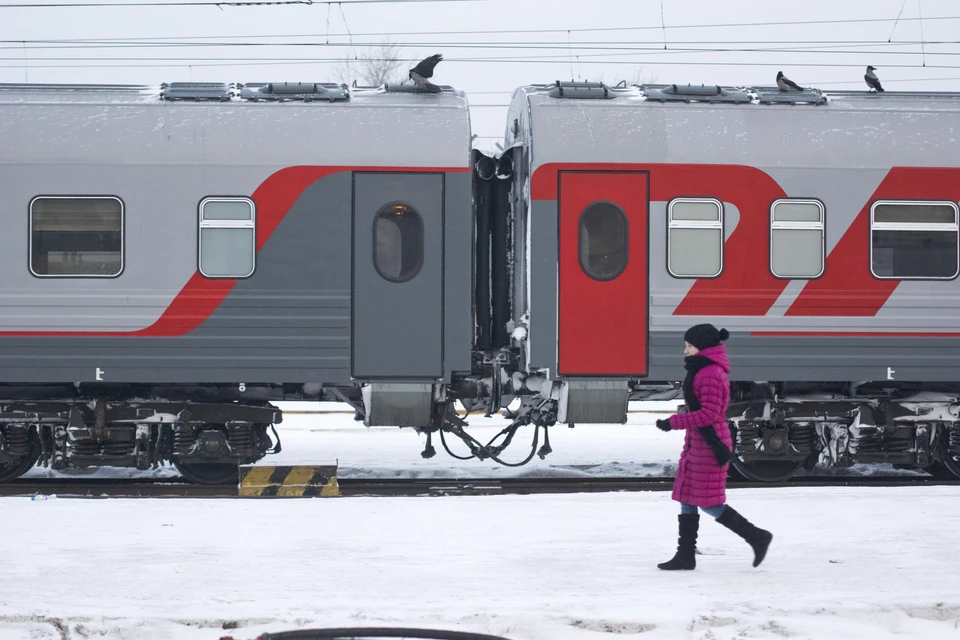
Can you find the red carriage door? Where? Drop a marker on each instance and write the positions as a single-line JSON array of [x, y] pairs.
[[603, 274]]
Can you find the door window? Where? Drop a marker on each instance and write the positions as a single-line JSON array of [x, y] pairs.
[[602, 241], [398, 242]]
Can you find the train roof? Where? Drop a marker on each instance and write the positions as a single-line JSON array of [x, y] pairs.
[[314, 94], [599, 94], [759, 125], [270, 123]]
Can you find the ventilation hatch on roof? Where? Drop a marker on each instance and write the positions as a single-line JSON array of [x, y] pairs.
[[773, 95], [581, 91], [304, 91], [219, 91], [695, 93], [409, 87]]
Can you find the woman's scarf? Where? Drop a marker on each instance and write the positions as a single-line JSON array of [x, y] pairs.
[[693, 364]]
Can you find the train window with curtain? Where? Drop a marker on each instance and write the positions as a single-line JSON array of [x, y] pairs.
[[695, 238], [76, 237], [797, 238], [602, 241], [398, 242], [914, 240], [227, 237]]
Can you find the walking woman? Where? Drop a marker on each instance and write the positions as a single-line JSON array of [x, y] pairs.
[[702, 472]]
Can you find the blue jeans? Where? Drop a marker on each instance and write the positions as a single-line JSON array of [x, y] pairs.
[[715, 511]]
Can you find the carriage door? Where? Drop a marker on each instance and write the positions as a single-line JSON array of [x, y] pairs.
[[397, 275], [603, 273]]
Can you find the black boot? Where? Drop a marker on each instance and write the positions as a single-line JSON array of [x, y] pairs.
[[755, 536], [686, 545]]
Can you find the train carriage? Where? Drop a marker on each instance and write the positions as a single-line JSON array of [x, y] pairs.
[[177, 258], [821, 231], [174, 258]]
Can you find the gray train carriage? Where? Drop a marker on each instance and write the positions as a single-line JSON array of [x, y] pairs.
[[175, 258], [820, 230]]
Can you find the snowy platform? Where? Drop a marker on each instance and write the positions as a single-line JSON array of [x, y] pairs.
[[853, 563]]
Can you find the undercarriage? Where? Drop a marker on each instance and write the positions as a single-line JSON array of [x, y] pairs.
[[778, 429], [777, 434], [205, 441]]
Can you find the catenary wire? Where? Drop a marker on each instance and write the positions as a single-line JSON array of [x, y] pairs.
[[209, 3], [563, 60], [651, 48]]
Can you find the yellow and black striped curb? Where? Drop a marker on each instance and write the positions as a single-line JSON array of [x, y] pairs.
[[289, 482]]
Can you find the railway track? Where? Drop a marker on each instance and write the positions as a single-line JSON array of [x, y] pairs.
[[172, 488]]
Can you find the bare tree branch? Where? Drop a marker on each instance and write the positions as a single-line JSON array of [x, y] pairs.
[[636, 77], [375, 66]]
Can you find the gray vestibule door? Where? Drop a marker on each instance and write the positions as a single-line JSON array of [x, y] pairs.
[[397, 321]]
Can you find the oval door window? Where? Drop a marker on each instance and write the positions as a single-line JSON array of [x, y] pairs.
[[398, 242], [603, 241]]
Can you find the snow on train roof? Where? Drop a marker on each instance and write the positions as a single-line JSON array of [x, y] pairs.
[[592, 122], [314, 94], [278, 124], [600, 94]]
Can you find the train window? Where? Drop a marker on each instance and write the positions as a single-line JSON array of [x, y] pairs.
[[77, 237], [914, 240], [695, 238], [227, 237], [602, 241], [398, 242], [796, 238]]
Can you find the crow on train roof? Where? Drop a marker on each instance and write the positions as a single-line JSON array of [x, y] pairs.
[[786, 84], [421, 73], [872, 80]]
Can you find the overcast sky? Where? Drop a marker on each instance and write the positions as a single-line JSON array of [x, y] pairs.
[[498, 45]]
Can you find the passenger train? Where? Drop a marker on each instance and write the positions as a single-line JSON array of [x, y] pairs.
[[176, 259]]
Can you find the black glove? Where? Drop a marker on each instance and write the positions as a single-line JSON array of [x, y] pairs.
[[664, 425], [720, 451]]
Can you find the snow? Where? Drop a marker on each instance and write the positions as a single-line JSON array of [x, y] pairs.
[[856, 563]]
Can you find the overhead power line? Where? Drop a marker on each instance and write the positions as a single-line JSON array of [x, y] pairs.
[[595, 52], [743, 46], [200, 41], [207, 3], [102, 63]]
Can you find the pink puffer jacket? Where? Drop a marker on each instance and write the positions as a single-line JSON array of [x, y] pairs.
[[700, 480]]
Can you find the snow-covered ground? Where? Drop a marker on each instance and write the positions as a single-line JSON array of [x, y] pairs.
[[637, 448], [852, 563]]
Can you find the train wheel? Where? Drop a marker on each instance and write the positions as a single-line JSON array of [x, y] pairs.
[[217, 473], [766, 470], [950, 465], [940, 472], [13, 469]]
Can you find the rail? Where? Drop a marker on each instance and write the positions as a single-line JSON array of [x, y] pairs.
[[400, 487]]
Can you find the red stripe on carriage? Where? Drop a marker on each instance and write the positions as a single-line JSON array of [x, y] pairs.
[[745, 287], [848, 288], [201, 296]]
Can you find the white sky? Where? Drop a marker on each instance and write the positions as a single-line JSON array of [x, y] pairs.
[[469, 54]]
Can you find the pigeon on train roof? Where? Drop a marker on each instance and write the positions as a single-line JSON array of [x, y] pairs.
[[786, 84], [872, 80], [424, 70]]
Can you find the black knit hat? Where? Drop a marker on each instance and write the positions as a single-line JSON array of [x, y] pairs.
[[704, 336]]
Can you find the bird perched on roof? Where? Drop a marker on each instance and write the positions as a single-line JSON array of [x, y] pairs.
[[424, 70], [786, 84], [872, 80]]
